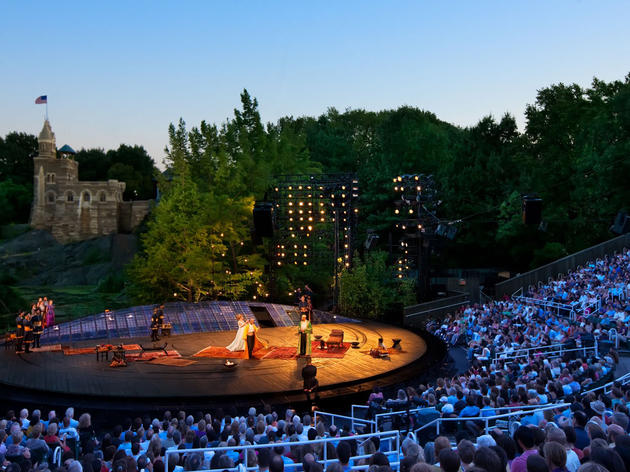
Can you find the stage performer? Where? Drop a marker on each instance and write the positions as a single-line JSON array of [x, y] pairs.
[[155, 325], [50, 314], [28, 334], [38, 327], [249, 334], [239, 342], [305, 329], [19, 332]]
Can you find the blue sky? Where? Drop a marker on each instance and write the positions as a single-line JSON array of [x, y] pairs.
[[120, 72]]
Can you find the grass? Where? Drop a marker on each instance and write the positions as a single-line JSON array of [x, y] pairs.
[[70, 302]]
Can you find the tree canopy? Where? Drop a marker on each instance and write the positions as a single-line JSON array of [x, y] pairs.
[[573, 153]]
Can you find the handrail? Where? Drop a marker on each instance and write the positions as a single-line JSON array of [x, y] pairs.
[[548, 304], [624, 380], [612, 332], [526, 350], [352, 419], [385, 436], [560, 352], [438, 421], [57, 456]]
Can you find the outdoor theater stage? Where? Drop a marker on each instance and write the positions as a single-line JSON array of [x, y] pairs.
[[187, 375]]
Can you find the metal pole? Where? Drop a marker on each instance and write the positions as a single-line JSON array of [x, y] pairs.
[[336, 264]]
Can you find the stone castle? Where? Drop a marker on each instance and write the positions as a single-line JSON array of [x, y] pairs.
[[73, 210]]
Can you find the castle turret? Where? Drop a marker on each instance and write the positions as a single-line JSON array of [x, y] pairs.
[[47, 145]]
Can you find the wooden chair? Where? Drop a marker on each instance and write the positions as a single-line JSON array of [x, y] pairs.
[[335, 338]]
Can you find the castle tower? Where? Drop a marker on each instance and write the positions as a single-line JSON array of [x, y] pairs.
[[74, 210], [50, 179]]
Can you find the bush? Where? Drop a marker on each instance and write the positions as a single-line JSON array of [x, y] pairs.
[[112, 283]]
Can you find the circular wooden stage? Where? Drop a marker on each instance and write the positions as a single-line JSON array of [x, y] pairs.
[[188, 375]]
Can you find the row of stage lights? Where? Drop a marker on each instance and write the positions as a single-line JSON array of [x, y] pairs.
[[303, 215], [413, 189]]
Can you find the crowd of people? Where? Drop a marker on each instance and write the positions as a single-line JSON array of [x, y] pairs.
[[580, 429], [30, 325], [588, 435]]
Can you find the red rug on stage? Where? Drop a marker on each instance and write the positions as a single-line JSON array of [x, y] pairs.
[[316, 353], [223, 353], [68, 351], [150, 355], [172, 361]]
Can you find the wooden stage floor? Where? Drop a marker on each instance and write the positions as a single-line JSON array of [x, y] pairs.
[[81, 375]]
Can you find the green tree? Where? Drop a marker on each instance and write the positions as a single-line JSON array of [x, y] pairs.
[[15, 201], [16, 157], [370, 290]]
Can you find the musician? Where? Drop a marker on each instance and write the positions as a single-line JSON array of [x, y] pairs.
[[19, 332], [160, 313], [28, 334], [155, 325], [37, 320]]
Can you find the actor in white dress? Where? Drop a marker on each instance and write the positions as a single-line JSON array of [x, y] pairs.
[[239, 342]]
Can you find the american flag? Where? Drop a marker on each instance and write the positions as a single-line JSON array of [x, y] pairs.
[[41, 100]]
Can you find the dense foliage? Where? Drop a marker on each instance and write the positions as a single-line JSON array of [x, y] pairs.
[[369, 290], [573, 153]]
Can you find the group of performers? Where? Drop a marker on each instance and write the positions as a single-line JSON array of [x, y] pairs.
[[246, 337], [30, 326]]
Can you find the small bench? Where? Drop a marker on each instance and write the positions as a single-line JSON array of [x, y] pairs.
[[153, 349], [335, 338]]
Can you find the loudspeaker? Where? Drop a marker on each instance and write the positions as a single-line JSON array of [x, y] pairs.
[[622, 223], [263, 219], [532, 210]]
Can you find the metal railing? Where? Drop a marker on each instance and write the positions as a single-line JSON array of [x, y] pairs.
[[551, 305], [509, 417], [343, 420], [386, 438], [607, 387], [558, 349]]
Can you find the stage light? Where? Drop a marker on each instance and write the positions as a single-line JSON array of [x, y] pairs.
[[396, 188], [410, 211], [310, 228], [396, 211], [290, 196], [395, 180], [399, 178]]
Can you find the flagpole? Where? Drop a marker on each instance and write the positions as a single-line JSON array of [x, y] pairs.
[[46, 108]]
